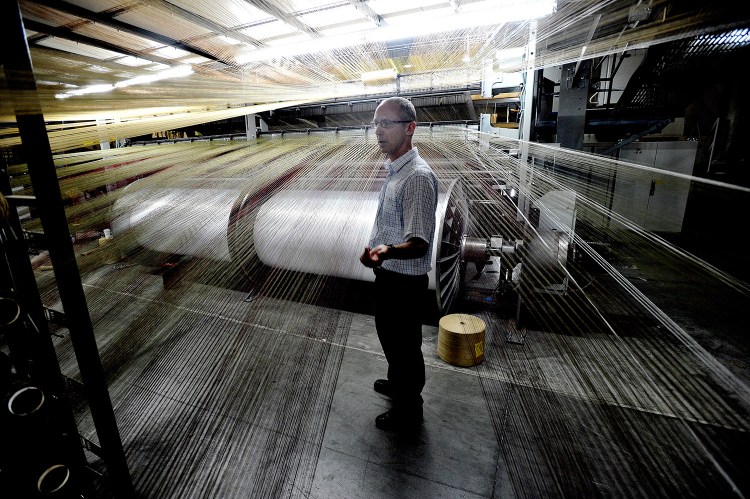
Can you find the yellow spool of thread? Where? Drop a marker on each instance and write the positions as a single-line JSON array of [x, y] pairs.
[[461, 340]]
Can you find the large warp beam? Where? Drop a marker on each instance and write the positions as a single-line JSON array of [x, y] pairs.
[[313, 231]]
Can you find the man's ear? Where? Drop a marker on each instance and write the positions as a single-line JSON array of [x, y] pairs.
[[411, 127]]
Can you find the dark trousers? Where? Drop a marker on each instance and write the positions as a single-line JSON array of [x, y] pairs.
[[398, 320]]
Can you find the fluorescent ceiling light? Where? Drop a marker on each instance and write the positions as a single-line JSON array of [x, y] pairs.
[[47, 82], [495, 12], [380, 75], [170, 52], [79, 48], [129, 60], [95, 68], [91, 89], [229, 40], [157, 66], [416, 19], [194, 61], [175, 72]]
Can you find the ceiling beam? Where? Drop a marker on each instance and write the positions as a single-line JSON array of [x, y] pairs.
[[68, 34], [107, 19], [362, 6], [203, 22], [270, 9]]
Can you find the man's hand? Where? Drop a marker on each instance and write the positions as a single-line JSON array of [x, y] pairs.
[[366, 259], [374, 257]]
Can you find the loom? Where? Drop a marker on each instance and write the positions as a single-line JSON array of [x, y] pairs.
[[322, 231], [295, 229], [630, 376]]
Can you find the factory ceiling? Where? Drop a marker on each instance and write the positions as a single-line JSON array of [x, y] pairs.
[[124, 61]]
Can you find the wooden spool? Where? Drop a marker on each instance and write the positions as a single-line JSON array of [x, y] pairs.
[[461, 340]]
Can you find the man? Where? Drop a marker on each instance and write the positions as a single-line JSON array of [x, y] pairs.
[[400, 254]]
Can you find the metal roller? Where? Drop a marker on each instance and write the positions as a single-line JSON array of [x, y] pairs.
[[475, 250], [313, 231]]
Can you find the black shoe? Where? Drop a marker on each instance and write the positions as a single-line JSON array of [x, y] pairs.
[[383, 386], [399, 421]]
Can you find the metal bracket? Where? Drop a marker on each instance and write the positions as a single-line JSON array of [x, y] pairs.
[[55, 317], [91, 447], [514, 332]]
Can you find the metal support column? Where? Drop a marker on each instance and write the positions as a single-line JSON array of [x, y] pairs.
[[20, 80], [251, 129], [526, 172]]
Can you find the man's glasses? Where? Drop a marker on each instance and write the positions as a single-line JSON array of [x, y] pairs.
[[387, 123]]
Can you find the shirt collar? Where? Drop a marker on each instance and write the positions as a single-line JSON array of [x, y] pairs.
[[395, 166]]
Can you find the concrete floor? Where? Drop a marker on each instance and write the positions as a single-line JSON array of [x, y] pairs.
[[220, 397], [294, 427]]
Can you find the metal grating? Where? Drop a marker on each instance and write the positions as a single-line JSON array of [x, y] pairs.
[[652, 86]]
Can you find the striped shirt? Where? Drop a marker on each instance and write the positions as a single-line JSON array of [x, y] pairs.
[[406, 209]]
